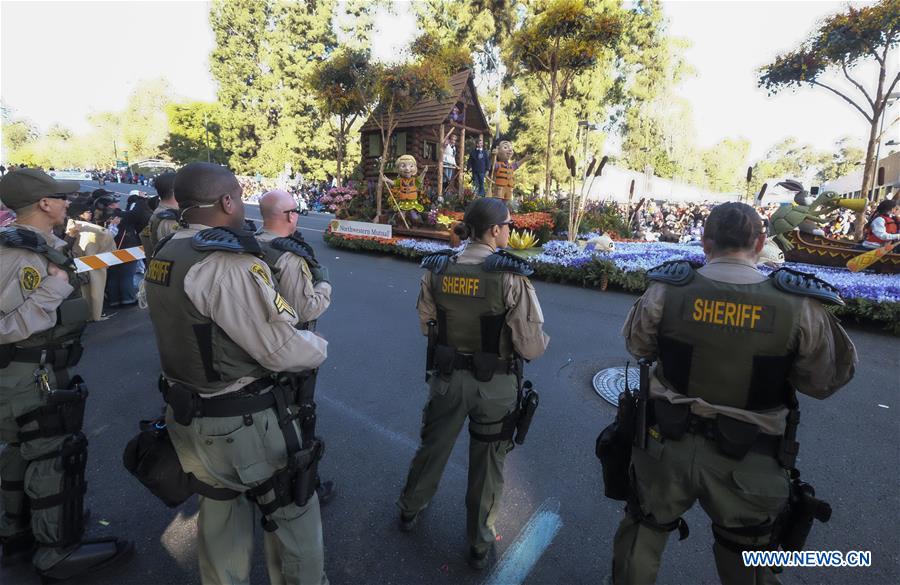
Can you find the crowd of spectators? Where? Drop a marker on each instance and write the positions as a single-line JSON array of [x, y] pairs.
[[683, 222]]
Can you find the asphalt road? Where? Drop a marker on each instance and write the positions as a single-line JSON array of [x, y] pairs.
[[371, 392]]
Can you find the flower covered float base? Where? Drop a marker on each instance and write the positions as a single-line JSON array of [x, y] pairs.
[[869, 297]]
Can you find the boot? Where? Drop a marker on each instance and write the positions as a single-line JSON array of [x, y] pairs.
[[479, 560], [90, 557]]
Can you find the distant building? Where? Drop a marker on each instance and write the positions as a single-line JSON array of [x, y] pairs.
[[887, 180]]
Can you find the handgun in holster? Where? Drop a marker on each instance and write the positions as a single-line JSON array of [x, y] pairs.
[[802, 510], [615, 442], [528, 403]]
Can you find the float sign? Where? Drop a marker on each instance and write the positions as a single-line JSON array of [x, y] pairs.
[[360, 228]]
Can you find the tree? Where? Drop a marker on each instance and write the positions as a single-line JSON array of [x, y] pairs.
[[195, 133], [787, 159], [264, 54], [725, 164], [335, 83], [843, 161], [566, 39], [18, 133], [144, 124], [841, 42]]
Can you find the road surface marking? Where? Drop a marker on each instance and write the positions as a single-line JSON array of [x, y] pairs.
[[377, 426], [523, 555]]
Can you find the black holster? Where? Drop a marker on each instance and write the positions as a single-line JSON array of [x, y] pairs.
[[613, 448], [7, 350], [795, 523], [444, 356], [185, 404], [62, 415], [432, 343], [527, 407]]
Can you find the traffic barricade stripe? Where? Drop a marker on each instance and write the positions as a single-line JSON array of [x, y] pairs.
[[107, 259]]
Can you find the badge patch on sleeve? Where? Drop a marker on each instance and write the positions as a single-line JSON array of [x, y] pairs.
[[31, 278], [282, 306], [159, 272], [258, 270]]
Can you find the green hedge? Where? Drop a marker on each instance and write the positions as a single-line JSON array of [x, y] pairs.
[[599, 273]]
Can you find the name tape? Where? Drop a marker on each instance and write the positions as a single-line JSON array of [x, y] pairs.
[[107, 259]]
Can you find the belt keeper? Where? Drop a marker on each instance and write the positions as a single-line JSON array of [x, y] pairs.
[[248, 420]]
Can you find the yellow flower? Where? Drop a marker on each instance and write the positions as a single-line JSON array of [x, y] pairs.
[[444, 220], [520, 240]]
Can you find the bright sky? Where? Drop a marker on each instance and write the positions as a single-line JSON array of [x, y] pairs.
[[111, 47]]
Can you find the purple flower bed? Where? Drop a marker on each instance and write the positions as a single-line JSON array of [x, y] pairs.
[[631, 257], [424, 246]]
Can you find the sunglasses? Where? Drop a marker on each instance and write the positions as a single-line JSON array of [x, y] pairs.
[[58, 196], [296, 210], [507, 222]]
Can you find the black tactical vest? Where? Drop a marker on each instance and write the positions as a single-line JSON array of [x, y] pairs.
[[192, 349], [729, 344], [471, 304]]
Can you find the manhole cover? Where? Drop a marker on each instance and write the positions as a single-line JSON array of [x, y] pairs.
[[609, 383]]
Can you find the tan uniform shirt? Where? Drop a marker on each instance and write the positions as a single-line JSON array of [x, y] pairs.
[[28, 297], [524, 316], [826, 358], [236, 292], [165, 227], [295, 282]]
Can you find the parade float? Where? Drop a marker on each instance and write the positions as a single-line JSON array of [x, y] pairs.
[[794, 227], [423, 202]]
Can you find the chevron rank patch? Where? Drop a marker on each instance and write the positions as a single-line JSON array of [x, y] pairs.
[[282, 306]]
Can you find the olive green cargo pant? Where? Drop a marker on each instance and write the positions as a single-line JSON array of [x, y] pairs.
[[22, 477], [449, 403], [226, 452], [670, 476]]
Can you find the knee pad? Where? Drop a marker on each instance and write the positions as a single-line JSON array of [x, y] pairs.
[[62, 415], [70, 500]]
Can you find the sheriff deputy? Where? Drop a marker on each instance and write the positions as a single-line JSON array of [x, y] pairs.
[[732, 347], [487, 320]]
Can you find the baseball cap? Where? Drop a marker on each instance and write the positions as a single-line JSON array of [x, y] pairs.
[[23, 187]]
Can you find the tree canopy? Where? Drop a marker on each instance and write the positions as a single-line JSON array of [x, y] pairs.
[[564, 39], [841, 42]]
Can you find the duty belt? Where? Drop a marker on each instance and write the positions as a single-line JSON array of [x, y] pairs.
[[733, 437], [763, 444], [464, 361], [58, 356], [247, 400]]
